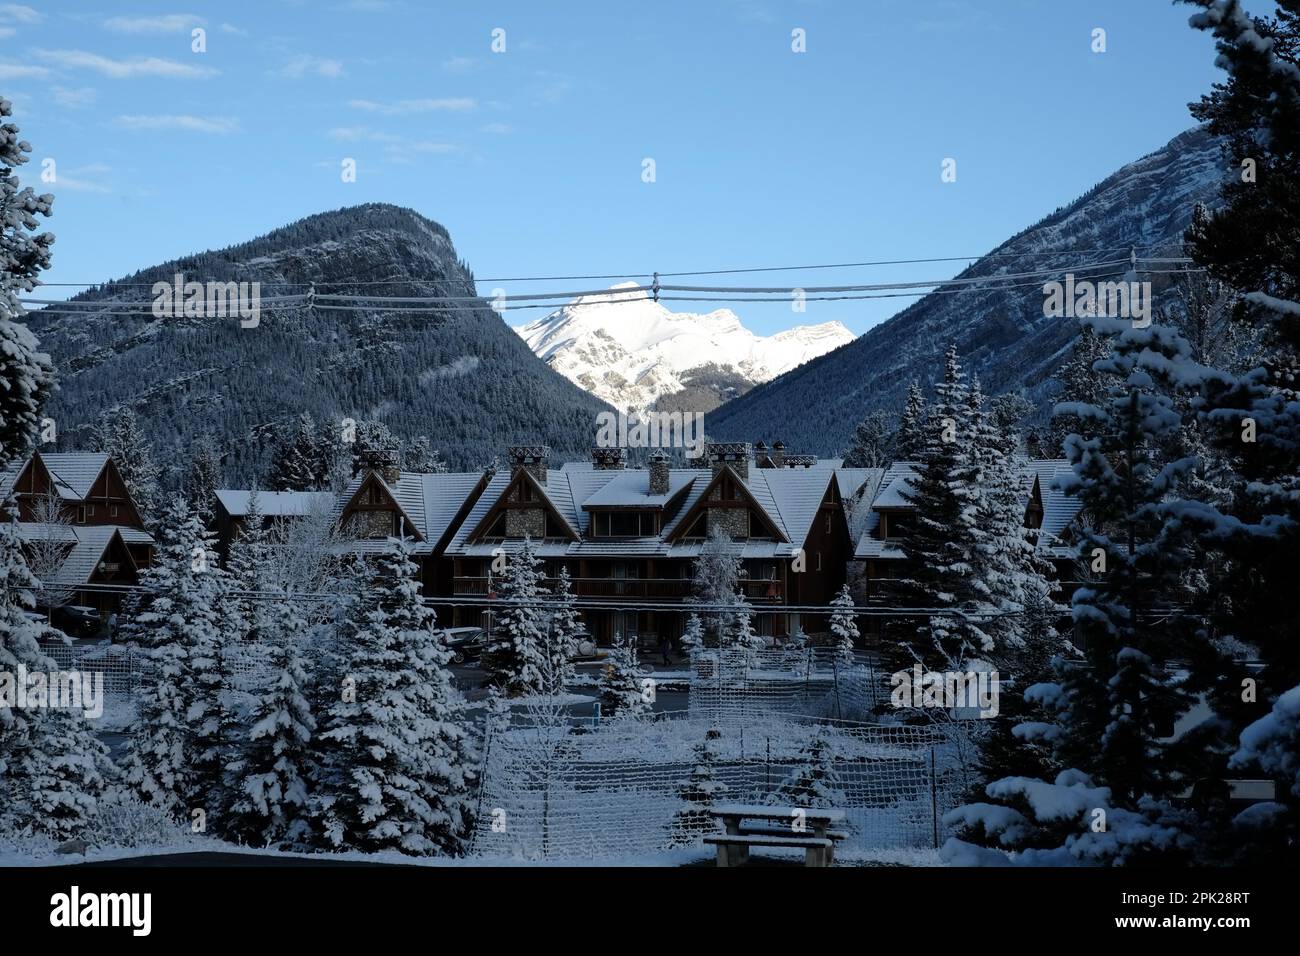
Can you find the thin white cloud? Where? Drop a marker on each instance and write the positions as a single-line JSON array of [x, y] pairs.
[[231, 28], [74, 97], [22, 71], [164, 23], [197, 124], [124, 69], [20, 12], [496, 129], [305, 64], [452, 104], [6, 32], [460, 64], [81, 179]]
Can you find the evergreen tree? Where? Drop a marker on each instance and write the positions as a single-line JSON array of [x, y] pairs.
[[844, 626], [515, 650], [1080, 385], [700, 792], [53, 771], [250, 573], [297, 462], [873, 443], [563, 635], [169, 759], [738, 628], [25, 373], [620, 681], [271, 808], [814, 781], [716, 582], [422, 458], [693, 635], [119, 436], [912, 435], [395, 765], [940, 545], [203, 477]]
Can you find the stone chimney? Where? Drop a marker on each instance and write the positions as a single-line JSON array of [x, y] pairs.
[[608, 459], [732, 453], [800, 461], [384, 461], [658, 464], [530, 458], [778, 454]]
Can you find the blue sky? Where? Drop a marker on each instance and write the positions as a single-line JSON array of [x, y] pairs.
[[533, 157]]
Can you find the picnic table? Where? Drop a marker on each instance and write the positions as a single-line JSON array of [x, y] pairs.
[[808, 829]]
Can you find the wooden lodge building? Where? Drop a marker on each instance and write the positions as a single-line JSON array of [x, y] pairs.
[[75, 506]]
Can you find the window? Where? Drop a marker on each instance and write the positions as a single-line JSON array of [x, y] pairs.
[[898, 525], [828, 522], [623, 524], [90, 510], [819, 560], [757, 529], [81, 515], [112, 511]]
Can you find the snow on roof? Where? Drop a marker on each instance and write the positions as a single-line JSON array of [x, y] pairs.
[[7, 479], [274, 504], [631, 489], [430, 500], [74, 472], [795, 495]]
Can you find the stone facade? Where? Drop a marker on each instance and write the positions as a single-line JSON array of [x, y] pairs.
[[370, 524]]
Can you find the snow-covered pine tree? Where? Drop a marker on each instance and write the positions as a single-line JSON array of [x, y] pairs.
[[738, 629], [1108, 718], [250, 573], [844, 626], [170, 758], [562, 636], [693, 634], [621, 692], [119, 436], [375, 443], [53, 771], [25, 372], [1079, 384], [700, 792], [912, 435], [203, 477], [271, 807], [716, 582], [397, 764], [873, 442], [514, 652], [813, 781], [1249, 413], [421, 457], [297, 462], [940, 544]]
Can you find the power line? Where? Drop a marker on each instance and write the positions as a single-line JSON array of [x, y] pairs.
[[646, 274]]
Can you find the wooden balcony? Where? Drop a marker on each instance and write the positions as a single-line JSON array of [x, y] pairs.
[[648, 589]]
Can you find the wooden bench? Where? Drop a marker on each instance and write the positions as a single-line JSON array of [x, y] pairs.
[[776, 826], [733, 848]]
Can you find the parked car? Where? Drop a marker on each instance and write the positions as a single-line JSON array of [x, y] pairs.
[[465, 643]]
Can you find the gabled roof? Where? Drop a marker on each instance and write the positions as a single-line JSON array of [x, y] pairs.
[[1059, 509], [756, 490], [275, 504], [430, 502], [74, 473], [87, 545]]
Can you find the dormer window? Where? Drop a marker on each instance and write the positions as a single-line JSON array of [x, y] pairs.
[[624, 524]]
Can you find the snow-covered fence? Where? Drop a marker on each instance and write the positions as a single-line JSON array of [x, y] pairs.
[[126, 668], [122, 666], [555, 790], [734, 686]]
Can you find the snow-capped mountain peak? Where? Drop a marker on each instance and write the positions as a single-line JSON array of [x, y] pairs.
[[632, 351]]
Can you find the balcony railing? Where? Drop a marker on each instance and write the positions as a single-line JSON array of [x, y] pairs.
[[655, 589]]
